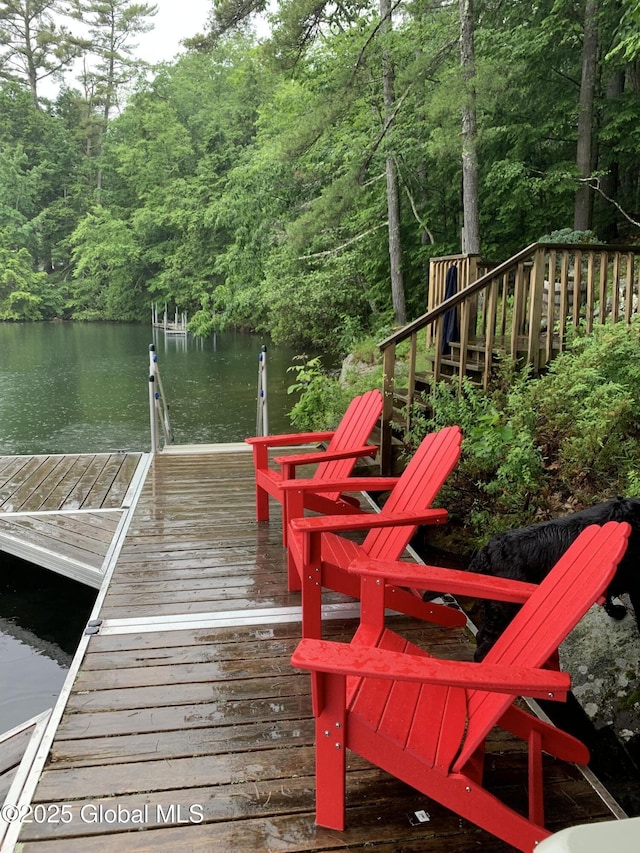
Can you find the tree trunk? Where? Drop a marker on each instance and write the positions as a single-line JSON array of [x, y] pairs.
[[582, 216], [605, 214], [470, 217], [29, 61], [393, 192]]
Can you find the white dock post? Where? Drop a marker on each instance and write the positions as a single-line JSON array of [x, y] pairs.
[[152, 399], [262, 420]]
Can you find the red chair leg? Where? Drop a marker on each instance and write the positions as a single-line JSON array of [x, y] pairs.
[[330, 754], [536, 802]]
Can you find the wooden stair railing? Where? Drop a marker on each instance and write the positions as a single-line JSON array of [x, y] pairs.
[[522, 308]]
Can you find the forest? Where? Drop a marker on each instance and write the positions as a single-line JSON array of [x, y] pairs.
[[297, 183]]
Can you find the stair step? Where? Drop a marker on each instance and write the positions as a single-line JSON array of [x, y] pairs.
[[450, 362]]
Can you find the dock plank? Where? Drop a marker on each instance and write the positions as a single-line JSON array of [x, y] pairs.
[[9, 466], [111, 484], [48, 534], [95, 470], [58, 496], [54, 476], [16, 489]]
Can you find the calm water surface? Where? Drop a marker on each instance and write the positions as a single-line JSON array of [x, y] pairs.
[[83, 388]]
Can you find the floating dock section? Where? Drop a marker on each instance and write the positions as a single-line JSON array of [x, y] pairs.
[[67, 512]]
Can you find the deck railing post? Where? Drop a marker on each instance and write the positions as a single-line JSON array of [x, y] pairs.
[[262, 417], [388, 384], [536, 293]]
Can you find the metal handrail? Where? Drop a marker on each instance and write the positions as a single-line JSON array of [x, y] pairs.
[[158, 408]]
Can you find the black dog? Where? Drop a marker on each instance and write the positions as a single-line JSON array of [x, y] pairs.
[[529, 553]]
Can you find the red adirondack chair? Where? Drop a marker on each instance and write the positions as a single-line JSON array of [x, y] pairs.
[[319, 557], [346, 444], [425, 720]]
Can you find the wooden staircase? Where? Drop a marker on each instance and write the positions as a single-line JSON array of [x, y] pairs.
[[521, 308]]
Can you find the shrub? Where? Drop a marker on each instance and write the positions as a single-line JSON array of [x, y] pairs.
[[500, 468], [586, 414], [533, 448], [536, 448]]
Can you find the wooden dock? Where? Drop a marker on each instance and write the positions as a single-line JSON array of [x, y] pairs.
[[65, 513], [182, 725]]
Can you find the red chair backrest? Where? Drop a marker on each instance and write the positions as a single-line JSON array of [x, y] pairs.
[[575, 583], [416, 490], [353, 431]]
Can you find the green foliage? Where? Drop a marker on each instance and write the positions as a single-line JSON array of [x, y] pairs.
[[627, 43], [322, 401], [245, 182], [534, 448], [24, 294], [33, 44], [322, 397], [308, 303], [107, 259], [568, 235], [587, 414], [501, 467]]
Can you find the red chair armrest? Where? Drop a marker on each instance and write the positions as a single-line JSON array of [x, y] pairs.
[[290, 440], [349, 484], [445, 580], [324, 456], [345, 659], [338, 523]]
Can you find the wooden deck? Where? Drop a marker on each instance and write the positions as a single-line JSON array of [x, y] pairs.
[[182, 716], [65, 512]]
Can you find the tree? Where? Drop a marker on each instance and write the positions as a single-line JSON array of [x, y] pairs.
[[24, 294], [471, 223], [586, 118], [112, 26], [527, 79], [33, 46], [41, 187], [108, 272], [393, 190]]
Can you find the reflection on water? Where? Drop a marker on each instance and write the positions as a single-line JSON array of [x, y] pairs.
[[42, 616], [83, 388]]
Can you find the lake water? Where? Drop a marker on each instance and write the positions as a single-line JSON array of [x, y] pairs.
[[83, 388]]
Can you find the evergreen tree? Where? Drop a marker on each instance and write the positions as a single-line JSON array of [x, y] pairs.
[[33, 46]]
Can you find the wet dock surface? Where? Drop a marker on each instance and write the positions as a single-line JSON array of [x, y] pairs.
[[186, 728], [63, 512]]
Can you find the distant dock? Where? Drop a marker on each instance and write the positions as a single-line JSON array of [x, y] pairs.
[[182, 725], [177, 326]]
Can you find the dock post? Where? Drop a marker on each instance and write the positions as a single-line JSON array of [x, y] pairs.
[[262, 420], [152, 399]]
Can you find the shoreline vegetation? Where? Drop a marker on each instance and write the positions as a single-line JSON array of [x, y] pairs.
[[534, 448]]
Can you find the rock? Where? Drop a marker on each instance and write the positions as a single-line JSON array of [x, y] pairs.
[[352, 366], [603, 658]]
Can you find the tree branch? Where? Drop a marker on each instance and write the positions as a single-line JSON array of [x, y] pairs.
[[342, 246], [416, 214], [594, 184]]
